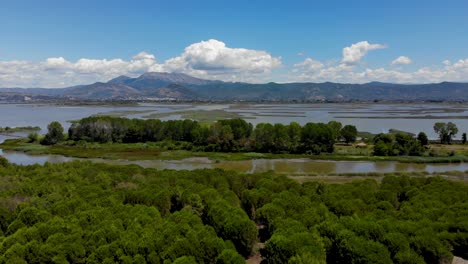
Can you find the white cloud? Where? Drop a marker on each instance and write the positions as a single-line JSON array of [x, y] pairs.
[[309, 71], [308, 64], [350, 71], [53, 63], [457, 71], [354, 53], [210, 59], [144, 56], [402, 60], [213, 58]]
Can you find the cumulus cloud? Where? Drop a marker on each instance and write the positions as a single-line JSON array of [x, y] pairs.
[[348, 70], [58, 72], [354, 53], [56, 63], [402, 60], [457, 71], [144, 56], [308, 64], [210, 59], [315, 71], [214, 58]]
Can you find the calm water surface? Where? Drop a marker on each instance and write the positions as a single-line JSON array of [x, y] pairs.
[[281, 166], [374, 118], [385, 116]]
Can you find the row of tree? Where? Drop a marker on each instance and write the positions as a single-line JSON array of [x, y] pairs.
[[400, 144], [225, 135], [234, 135], [83, 212]]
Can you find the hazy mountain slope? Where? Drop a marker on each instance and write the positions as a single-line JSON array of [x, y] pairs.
[[334, 91], [103, 91], [184, 87]]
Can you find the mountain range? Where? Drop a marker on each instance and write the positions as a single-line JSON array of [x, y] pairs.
[[179, 86]]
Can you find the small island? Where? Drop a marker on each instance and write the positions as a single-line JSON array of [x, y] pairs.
[[9, 130]]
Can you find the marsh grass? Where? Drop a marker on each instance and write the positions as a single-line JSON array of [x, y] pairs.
[[202, 116], [123, 113], [169, 150]]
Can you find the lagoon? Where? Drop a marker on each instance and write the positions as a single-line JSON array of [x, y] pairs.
[[370, 117], [367, 117]]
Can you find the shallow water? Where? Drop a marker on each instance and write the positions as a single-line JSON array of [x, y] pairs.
[[280, 166], [406, 117], [40, 115]]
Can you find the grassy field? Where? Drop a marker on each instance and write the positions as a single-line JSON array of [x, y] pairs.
[[175, 151], [457, 149], [203, 116], [134, 151], [19, 129], [350, 177], [122, 113], [404, 117]]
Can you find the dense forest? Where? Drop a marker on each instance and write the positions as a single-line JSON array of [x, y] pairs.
[[224, 135], [83, 212], [237, 135]]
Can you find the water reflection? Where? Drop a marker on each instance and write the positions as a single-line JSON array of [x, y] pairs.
[[25, 159], [281, 166], [382, 116]]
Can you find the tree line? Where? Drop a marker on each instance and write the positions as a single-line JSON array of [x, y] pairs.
[[230, 135], [400, 144], [83, 212], [405, 144], [237, 135]]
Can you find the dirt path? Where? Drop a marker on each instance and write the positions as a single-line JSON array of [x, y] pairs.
[[257, 258], [457, 260]]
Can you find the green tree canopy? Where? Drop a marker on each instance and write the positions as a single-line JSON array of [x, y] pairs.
[[349, 133], [54, 134], [336, 128], [446, 131], [422, 138]]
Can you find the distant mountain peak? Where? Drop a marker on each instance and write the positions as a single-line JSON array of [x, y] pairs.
[[164, 74], [377, 82], [165, 85], [120, 79], [174, 77]]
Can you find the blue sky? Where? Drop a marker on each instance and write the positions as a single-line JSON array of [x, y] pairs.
[[305, 40]]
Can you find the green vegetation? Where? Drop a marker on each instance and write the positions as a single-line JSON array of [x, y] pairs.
[[236, 135], [54, 134], [170, 150], [394, 131], [122, 113], [83, 212], [446, 131], [400, 144], [33, 137], [19, 129], [230, 135], [336, 128], [422, 138], [202, 116], [232, 139], [405, 117], [349, 133]]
